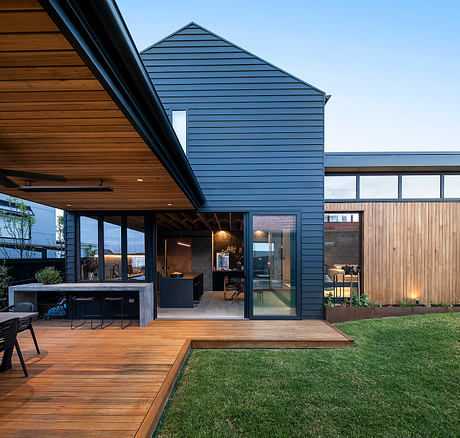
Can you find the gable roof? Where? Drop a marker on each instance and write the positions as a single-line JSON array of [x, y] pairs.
[[192, 25]]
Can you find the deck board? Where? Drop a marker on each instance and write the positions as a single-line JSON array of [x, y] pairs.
[[114, 382]]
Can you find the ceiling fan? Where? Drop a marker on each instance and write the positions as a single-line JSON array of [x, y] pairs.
[[5, 181]]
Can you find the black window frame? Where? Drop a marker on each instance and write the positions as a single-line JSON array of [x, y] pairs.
[[400, 175], [149, 245]]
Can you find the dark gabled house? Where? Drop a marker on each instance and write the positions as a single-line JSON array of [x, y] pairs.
[[255, 139], [199, 168]]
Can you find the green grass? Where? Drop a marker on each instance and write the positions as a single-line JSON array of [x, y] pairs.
[[400, 380]]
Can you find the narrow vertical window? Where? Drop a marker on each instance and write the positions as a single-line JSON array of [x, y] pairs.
[[179, 122]]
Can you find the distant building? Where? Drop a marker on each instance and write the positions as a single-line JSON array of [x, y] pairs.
[[42, 236]]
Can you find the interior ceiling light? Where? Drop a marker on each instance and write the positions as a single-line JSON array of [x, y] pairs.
[[169, 205], [139, 179], [184, 244]]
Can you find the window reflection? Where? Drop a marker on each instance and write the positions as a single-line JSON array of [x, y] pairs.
[[421, 186], [136, 248], [88, 248], [112, 248], [378, 186], [452, 186], [274, 265], [340, 187]]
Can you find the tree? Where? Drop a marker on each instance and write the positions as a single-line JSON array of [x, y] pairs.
[[60, 235], [16, 227]]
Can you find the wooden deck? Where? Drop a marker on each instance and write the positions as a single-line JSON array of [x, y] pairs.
[[101, 383]]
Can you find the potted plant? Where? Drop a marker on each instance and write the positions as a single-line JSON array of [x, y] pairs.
[[49, 275]]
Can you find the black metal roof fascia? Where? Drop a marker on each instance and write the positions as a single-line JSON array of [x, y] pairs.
[[97, 31]]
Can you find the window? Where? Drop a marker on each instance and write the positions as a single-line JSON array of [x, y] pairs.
[[179, 122], [421, 186], [112, 248], [136, 248], [340, 187], [88, 248], [451, 186], [378, 186], [342, 251], [274, 265]]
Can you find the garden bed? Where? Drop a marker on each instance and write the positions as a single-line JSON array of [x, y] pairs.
[[343, 314]]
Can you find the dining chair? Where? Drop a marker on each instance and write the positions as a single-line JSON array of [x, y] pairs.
[[8, 341], [24, 323]]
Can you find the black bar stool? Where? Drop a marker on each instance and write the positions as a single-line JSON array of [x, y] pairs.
[[85, 301], [113, 301]]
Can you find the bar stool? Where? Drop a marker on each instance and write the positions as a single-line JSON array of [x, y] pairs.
[[113, 301], [85, 301]]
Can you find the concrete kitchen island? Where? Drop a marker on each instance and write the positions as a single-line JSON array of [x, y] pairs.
[[29, 292]]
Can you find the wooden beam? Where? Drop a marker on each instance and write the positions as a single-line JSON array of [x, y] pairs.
[[202, 218], [216, 217], [230, 222]]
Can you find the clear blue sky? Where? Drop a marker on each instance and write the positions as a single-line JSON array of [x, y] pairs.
[[392, 67]]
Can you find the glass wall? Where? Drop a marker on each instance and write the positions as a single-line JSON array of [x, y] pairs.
[[342, 253], [136, 248], [274, 265], [88, 248], [116, 240], [112, 248], [378, 186], [340, 187]]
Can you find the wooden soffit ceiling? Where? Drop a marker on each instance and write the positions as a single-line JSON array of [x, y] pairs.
[[57, 118]]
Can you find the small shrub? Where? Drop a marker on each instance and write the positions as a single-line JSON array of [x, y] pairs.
[[4, 283], [406, 303], [329, 302], [48, 275], [359, 301]]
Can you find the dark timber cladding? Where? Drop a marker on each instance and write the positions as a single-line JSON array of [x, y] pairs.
[[255, 136]]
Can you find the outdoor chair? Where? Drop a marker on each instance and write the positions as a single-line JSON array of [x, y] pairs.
[[24, 323], [8, 340], [113, 301], [85, 301]]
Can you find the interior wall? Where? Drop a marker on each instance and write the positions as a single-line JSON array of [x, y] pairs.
[[411, 250], [200, 253], [224, 239]]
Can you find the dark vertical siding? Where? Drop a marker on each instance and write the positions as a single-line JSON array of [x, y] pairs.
[[255, 136], [70, 246]]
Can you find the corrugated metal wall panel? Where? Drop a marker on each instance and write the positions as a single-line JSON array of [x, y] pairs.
[[255, 136]]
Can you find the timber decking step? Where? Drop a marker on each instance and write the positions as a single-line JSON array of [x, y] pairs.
[[100, 383]]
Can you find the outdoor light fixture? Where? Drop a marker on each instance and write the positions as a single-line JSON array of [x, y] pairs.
[[65, 189]]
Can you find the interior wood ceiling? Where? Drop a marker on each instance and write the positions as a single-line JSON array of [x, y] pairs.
[[200, 221], [56, 118]]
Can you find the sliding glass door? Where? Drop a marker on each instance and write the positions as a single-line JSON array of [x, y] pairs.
[[274, 265]]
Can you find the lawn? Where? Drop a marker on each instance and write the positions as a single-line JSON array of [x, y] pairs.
[[400, 380]]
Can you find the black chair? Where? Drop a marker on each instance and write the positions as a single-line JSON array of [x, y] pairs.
[[8, 340], [113, 301], [24, 323], [85, 301]]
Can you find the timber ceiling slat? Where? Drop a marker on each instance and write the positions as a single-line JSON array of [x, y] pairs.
[[26, 22], [54, 96], [46, 58], [55, 117], [18, 42], [37, 73]]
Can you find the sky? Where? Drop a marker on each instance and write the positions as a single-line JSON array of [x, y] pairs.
[[391, 67]]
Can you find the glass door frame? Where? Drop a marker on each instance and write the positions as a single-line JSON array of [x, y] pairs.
[[248, 242]]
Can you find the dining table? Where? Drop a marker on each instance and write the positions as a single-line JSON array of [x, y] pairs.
[[7, 316]]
